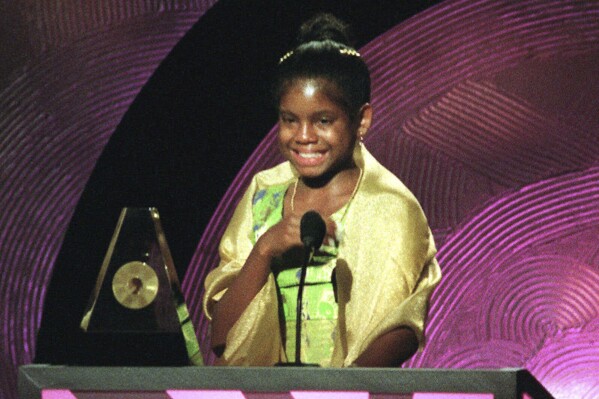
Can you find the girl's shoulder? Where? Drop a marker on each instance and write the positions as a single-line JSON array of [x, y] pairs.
[[281, 174]]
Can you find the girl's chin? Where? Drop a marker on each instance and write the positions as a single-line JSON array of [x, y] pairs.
[[310, 173], [316, 176]]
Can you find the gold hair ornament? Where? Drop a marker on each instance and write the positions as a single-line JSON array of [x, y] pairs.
[[349, 51], [287, 55], [343, 51]]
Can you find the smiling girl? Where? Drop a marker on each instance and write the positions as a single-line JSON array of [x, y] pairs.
[[367, 287]]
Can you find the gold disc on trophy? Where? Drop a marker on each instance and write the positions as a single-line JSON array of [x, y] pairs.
[[135, 285]]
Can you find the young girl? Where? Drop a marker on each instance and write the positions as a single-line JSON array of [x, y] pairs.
[[368, 285]]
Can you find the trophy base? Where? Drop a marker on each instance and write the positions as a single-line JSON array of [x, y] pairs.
[[160, 349]]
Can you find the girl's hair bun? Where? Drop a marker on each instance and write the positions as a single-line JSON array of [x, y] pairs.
[[323, 27], [325, 51]]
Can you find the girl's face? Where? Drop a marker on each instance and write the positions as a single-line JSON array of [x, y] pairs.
[[315, 133]]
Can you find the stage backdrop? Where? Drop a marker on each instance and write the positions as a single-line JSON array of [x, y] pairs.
[[487, 110]]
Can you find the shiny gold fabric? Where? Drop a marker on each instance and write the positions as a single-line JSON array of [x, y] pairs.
[[386, 270]]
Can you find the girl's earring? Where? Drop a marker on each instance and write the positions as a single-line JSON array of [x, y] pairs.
[[361, 135]]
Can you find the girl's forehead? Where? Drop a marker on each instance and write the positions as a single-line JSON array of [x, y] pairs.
[[310, 87], [304, 83]]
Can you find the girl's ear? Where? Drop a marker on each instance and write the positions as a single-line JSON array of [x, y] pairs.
[[365, 120]]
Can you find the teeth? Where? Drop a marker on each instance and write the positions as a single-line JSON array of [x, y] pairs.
[[309, 154]]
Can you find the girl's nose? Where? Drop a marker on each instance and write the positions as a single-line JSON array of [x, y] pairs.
[[306, 134]]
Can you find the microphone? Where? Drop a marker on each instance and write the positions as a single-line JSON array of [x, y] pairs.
[[312, 230]]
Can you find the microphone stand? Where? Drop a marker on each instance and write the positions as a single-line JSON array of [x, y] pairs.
[[308, 253], [312, 232]]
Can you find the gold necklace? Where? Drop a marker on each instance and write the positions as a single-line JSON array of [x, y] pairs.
[[350, 198]]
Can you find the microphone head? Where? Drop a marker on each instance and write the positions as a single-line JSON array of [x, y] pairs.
[[312, 229]]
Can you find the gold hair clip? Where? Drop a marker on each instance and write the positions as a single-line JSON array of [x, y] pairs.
[[344, 51], [349, 51], [287, 55]]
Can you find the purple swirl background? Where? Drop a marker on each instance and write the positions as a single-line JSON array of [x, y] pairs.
[[487, 110]]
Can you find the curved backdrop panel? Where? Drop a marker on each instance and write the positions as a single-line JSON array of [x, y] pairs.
[[487, 111], [70, 71]]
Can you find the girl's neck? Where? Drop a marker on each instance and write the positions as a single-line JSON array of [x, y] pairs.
[[333, 179], [341, 179], [325, 195]]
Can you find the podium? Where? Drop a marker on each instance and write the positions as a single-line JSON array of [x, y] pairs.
[[69, 382]]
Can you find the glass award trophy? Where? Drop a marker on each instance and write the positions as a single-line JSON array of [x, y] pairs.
[[137, 314]]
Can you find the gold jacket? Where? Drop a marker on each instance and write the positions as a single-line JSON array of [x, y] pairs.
[[386, 269]]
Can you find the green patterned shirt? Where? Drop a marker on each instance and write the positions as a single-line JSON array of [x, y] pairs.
[[319, 314]]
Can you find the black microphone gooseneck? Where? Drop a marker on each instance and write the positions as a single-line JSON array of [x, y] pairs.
[[312, 232]]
